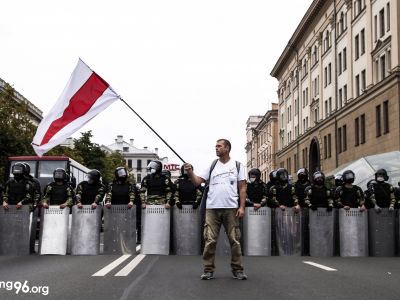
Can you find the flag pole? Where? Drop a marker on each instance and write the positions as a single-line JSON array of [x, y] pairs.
[[152, 129]]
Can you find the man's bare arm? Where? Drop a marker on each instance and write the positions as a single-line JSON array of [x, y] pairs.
[[192, 176]]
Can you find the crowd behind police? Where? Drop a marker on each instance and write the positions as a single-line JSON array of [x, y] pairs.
[[308, 192]]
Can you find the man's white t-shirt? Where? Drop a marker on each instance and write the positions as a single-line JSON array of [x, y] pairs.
[[223, 191]]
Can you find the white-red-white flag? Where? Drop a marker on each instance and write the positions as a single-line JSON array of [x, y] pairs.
[[85, 95]]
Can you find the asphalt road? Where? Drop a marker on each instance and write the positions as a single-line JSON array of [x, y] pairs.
[[178, 277]]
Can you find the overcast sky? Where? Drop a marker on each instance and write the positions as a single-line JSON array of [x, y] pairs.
[[194, 70]]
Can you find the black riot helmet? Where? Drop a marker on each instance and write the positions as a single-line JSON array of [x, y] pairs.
[[255, 173], [166, 173], [18, 170], [183, 170], [381, 175], [121, 174], [302, 175], [338, 180], [94, 176], [155, 167], [348, 176], [27, 169], [59, 175], [319, 178], [272, 176], [282, 176]]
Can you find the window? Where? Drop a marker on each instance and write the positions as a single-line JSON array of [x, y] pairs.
[[326, 108], [357, 85], [130, 163], [363, 81], [325, 147], [386, 117], [382, 63], [327, 41], [340, 98], [375, 28], [329, 73], [125, 149], [329, 145], [341, 23], [306, 96], [362, 127], [382, 22], [362, 42], [340, 63], [315, 55], [326, 77], [345, 93], [388, 16], [139, 165], [296, 165], [344, 59], [378, 120], [356, 132], [344, 134], [339, 140], [316, 115], [148, 161], [138, 177], [357, 46]]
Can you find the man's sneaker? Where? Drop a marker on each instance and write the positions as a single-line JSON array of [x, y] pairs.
[[239, 275], [207, 276]]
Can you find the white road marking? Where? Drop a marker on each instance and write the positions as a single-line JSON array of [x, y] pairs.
[[138, 247], [112, 265], [129, 267], [319, 266]]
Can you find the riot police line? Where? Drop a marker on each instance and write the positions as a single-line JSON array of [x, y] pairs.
[[305, 218]]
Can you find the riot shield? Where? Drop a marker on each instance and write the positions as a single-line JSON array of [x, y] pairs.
[[54, 230], [381, 230], [15, 230], [186, 231], [119, 230], [288, 232], [257, 231], [322, 228], [85, 231], [156, 223], [305, 231], [353, 230]]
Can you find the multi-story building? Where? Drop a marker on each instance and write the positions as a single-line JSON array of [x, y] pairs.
[[339, 85], [137, 159], [35, 114], [261, 143]]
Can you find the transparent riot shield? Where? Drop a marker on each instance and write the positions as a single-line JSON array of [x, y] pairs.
[[257, 232], [186, 231], [288, 232], [54, 230], [353, 230], [322, 228], [15, 226], [156, 223], [85, 230], [381, 231], [119, 230]]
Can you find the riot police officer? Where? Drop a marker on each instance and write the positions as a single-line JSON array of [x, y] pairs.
[[156, 188], [91, 191], [121, 191], [18, 190], [301, 184], [283, 193], [59, 192], [186, 192], [256, 190], [35, 182], [318, 195], [380, 194], [348, 195]]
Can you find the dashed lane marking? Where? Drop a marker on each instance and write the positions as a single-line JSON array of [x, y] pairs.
[[129, 267], [112, 265], [319, 266]]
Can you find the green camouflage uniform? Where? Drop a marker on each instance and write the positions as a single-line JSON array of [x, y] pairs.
[[156, 190]]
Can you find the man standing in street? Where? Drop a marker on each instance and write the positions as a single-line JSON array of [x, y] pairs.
[[225, 204]]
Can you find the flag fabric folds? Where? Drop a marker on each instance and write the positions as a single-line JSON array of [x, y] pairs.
[[85, 95]]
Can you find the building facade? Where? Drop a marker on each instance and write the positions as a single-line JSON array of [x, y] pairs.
[[35, 114], [261, 146], [137, 159], [339, 85]]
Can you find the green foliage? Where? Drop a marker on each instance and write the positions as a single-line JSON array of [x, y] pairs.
[[16, 128], [113, 160]]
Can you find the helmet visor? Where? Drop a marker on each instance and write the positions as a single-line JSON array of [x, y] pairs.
[[17, 170], [122, 173]]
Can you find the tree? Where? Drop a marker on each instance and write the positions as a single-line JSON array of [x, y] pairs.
[[16, 127]]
